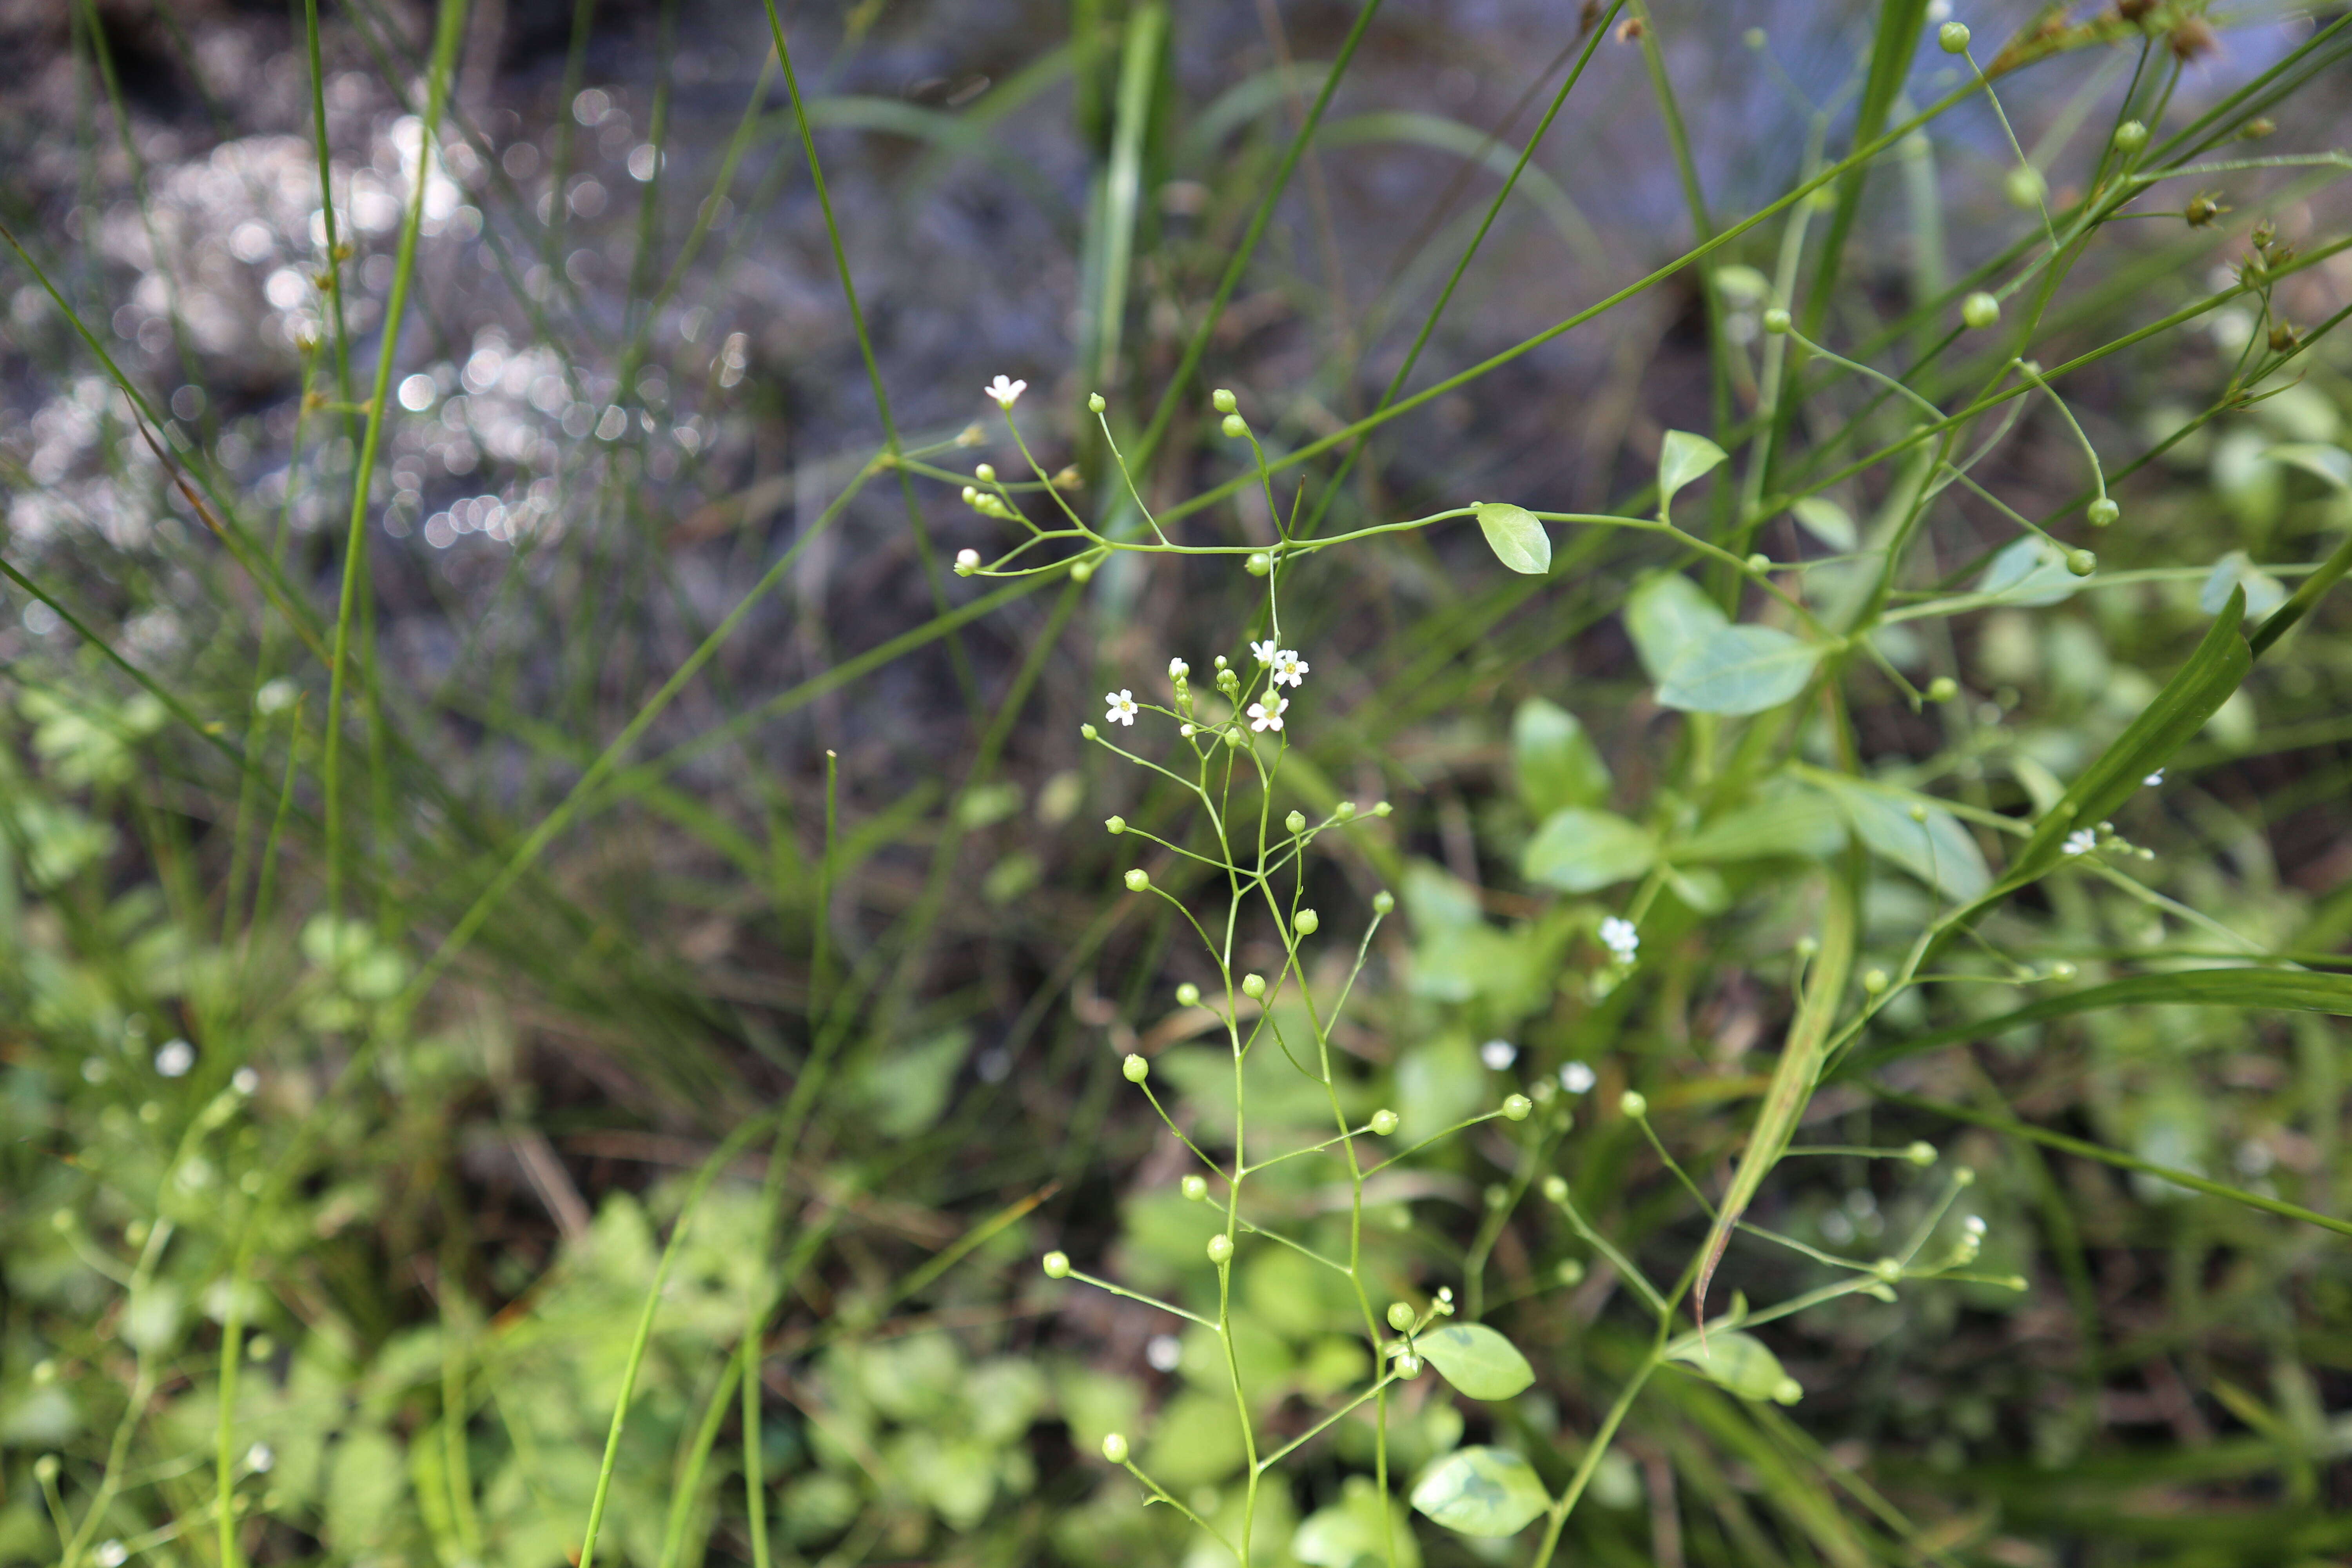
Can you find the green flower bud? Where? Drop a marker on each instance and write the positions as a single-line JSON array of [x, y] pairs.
[[1383, 901], [1057, 1265], [1258, 564], [1253, 986], [1094, 402], [2024, 187], [1981, 310], [1296, 822], [1138, 880], [44, 1470], [1382, 809], [1400, 1316], [985, 473], [1222, 401], [1554, 1189], [2062, 970], [1221, 1250], [1188, 994], [2130, 136], [2103, 512], [1963, 1176], [1115, 824], [1083, 569], [1874, 981], [1634, 1103], [1569, 1272], [1787, 1391], [1136, 1068], [1759, 562], [1516, 1107], [1943, 688], [1952, 37], [1344, 811], [2082, 563], [1408, 1365], [1234, 427], [1115, 1448], [1087, 730], [1922, 1155], [1307, 923], [1384, 1121], [1889, 1270], [1195, 1187], [1776, 321]]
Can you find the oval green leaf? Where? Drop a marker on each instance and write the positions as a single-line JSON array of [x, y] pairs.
[[1827, 522], [1739, 669], [1477, 1360], [1666, 616], [1556, 760], [2029, 571], [1581, 851], [1939, 851], [1740, 1363], [1682, 458], [1514, 536], [1482, 1491]]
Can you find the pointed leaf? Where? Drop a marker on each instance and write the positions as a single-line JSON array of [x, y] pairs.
[[1827, 522], [1477, 1360], [2264, 593], [1517, 540], [2029, 571], [1556, 760], [1684, 458], [1939, 851], [1742, 1364], [1666, 616], [1796, 822], [1581, 851], [1482, 1491], [1739, 669]]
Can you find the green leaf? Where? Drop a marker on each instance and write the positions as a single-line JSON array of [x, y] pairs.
[[1939, 851], [1682, 458], [2290, 990], [2331, 464], [1794, 821], [1351, 1532], [366, 1482], [1517, 540], [1739, 669], [1742, 1364], [1827, 522], [1477, 1360], [1482, 1491], [1666, 616], [1197, 1442], [2264, 593], [1556, 760], [2029, 571], [1579, 851]]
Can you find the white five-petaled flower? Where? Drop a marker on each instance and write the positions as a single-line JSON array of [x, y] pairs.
[[2082, 841], [1178, 670], [1620, 938], [1122, 707], [1006, 392], [1289, 668], [1265, 718], [1264, 650]]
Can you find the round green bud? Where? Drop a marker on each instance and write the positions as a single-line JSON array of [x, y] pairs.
[[1918, 813], [1115, 824], [1787, 1391], [1258, 564], [1569, 1272], [1516, 1107], [2103, 512], [1776, 321], [1138, 880], [985, 473], [1981, 310], [1943, 688], [1221, 1250], [1963, 1176], [1057, 1265], [1634, 1103], [1382, 809], [1554, 1189], [2130, 136], [1921, 1155], [1874, 981], [261, 1348], [1296, 822], [1253, 986], [1384, 1121], [1188, 994], [1408, 1365], [44, 1470], [1115, 1448], [1753, 38], [62, 1221], [1236, 739], [45, 1373], [1083, 569], [1136, 1068], [1400, 1316], [1087, 730], [1095, 403], [1807, 946], [1383, 901], [1759, 562], [1952, 37], [2062, 970], [1889, 1270], [2024, 187], [1344, 811], [1195, 1187], [1234, 427], [2082, 563], [1307, 923], [1222, 401]]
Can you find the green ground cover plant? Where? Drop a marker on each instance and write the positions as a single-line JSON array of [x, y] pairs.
[[1740, 965]]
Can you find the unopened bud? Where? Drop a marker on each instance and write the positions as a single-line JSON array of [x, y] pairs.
[[1634, 1103], [1114, 1448], [967, 562], [1221, 1250], [1115, 824], [1516, 1107], [1138, 880], [1981, 310], [1194, 1187], [1952, 37], [1383, 1122], [1296, 822], [1188, 994], [1759, 563], [2101, 513], [2130, 136], [1344, 811], [1383, 901], [1921, 1153], [1135, 1068], [1057, 1265], [1400, 1316], [1776, 321], [1873, 981], [1258, 564], [1222, 401], [1234, 427], [1094, 402], [1408, 1365], [2082, 563], [1554, 1189], [1307, 923], [1943, 688], [1253, 986]]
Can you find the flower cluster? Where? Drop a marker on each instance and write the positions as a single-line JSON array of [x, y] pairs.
[[1620, 938]]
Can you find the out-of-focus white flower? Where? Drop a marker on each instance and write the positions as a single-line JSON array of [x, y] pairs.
[[1265, 718], [1620, 938], [176, 1058], [1498, 1054], [112, 1554], [1264, 650], [2154, 779], [967, 563], [260, 1458], [1578, 1079], [2082, 841], [1122, 707], [246, 1081], [1289, 668], [1006, 392], [1164, 1351]]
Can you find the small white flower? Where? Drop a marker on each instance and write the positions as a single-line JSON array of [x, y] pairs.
[[1498, 1055], [1164, 1351], [1264, 650], [2082, 841], [1578, 1079], [1620, 938], [1178, 670], [1006, 392], [967, 562], [275, 696], [176, 1058], [1265, 718], [246, 1081], [1289, 668], [1122, 707], [112, 1554], [260, 1458], [2154, 779]]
